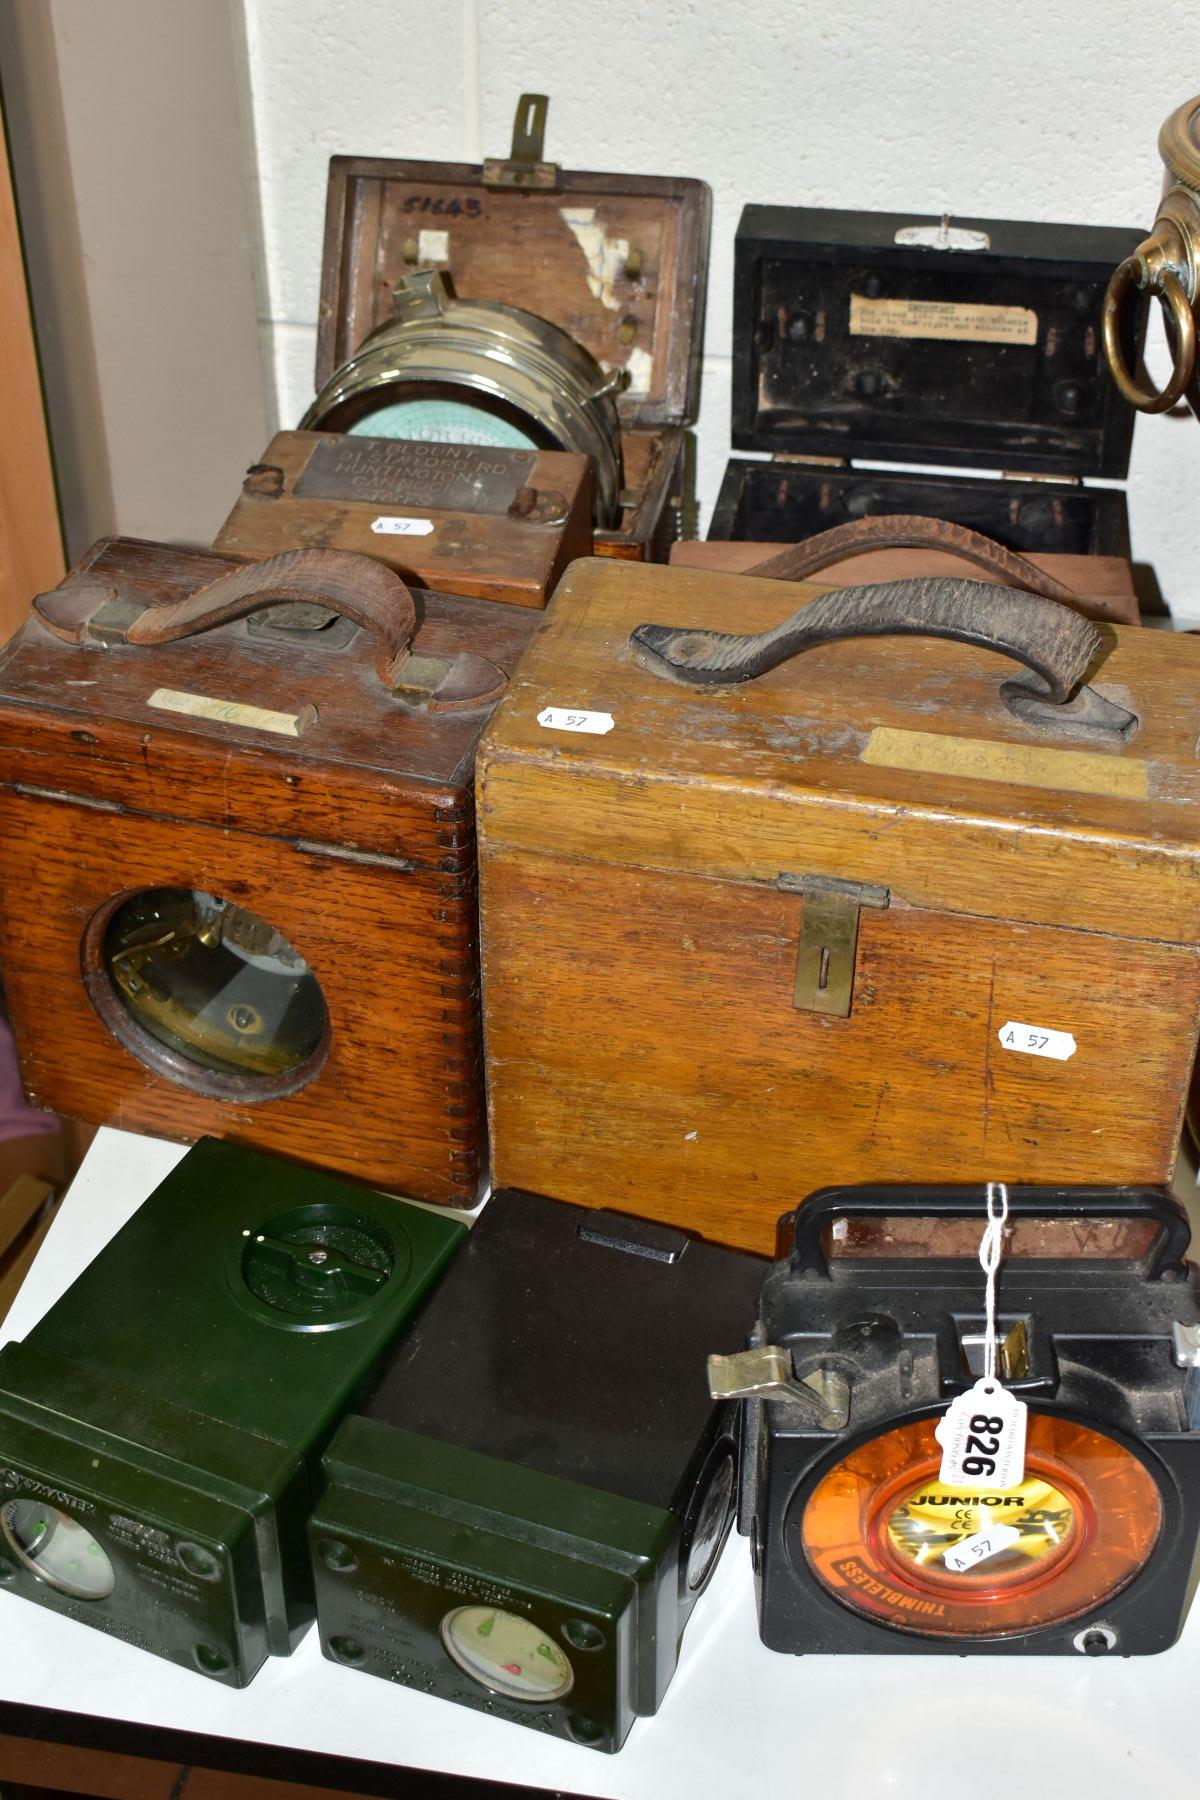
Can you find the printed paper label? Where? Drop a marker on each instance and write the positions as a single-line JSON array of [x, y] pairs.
[[983, 1439], [565, 718], [389, 527], [1037, 1040], [233, 712], [946, 319]]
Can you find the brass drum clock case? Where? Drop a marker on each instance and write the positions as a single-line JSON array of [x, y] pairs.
[[518, 303], [1167, 265], [520, 369]]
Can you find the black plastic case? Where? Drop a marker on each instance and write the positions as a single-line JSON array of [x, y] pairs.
[[542, 1456], [881, 1302]]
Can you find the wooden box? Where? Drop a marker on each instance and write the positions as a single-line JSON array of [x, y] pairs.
[[1100, 586], [863, 337], [237, 871], [494, 524], [620, 262], [677, 891]]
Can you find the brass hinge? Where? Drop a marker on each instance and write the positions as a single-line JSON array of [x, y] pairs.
[[32, 792], [813, 462], [343, 853], [1071, 481], [828, 939], [525, 167]]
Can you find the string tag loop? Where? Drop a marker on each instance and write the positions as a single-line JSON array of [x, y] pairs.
[[983, 1432]]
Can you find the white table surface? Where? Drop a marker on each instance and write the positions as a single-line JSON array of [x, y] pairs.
[[738, 1721]]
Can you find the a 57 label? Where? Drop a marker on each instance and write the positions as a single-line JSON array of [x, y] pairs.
[[1037, 1040]]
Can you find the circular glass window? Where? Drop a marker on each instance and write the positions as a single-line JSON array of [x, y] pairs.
[[711, 1522], [213, 986], [57, 1548], [440, 421], [886, 1536], [507, 1653]]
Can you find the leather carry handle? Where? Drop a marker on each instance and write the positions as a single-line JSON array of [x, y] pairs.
[[1051, 640], [911, 531], [828, 1205], [371, 595]]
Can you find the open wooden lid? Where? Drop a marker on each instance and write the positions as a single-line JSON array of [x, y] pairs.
[[974, 342], [619, 261]]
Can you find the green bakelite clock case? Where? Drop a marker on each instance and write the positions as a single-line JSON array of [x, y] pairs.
[[170, 1410], [525, 1512]]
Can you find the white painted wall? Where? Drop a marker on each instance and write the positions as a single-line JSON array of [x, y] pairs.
[[1028, 110]]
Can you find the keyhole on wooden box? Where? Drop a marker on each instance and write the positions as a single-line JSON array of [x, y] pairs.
[[823, 971]]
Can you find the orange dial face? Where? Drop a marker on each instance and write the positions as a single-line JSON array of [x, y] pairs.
[[890, 1541]]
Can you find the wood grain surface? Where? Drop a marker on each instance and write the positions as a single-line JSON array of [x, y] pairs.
[[31, 552], [518, 248], [639, 955], [489, 555], [521, 249], [356, 840], [655, 494], [1103, 585]]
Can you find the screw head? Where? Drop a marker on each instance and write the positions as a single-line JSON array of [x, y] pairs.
[[338, 1557]]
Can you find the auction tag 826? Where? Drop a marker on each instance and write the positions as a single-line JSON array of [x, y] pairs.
[[983, 1439]]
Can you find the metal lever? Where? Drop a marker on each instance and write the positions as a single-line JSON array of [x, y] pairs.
[[1187, 1356], [767, 1374]]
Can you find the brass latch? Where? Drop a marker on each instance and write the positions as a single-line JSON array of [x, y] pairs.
[[525, 167], [828, 939], [768, 1373]]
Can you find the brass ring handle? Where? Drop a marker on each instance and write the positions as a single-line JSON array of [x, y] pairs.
[[1171, 291]]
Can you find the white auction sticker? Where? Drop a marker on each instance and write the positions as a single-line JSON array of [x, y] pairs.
[[1037, 1040], [978, 1548], [982, 1435], [568, 718], [390, 527]]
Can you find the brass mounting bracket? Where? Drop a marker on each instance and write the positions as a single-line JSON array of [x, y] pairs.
[[525, 167]]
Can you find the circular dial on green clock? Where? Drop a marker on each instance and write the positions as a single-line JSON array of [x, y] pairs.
[[507, 1653], [57, 1548]]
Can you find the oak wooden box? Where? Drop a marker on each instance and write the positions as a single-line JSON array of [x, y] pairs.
[[493, 524], [864, 338], [514, 245], [1102, 585], [354, 839], [645, 892]]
